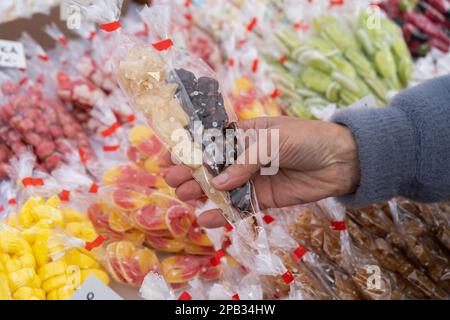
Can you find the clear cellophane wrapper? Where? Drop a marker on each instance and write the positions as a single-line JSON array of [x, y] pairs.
[[47, 241], [420, 243], [322, 229], [374, 230]]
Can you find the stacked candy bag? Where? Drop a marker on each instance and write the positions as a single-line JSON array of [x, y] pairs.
[[425, 23], [45, 242], [54, 138], [375, 229], [343, 61], [197, 100], [138, 212]]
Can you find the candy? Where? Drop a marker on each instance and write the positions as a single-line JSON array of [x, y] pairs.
[[179, 220], [40, 257], [165, 244], [180, 269]]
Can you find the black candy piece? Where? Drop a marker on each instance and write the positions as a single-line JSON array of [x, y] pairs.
[[187, 79], [208, 86], [241, 197]]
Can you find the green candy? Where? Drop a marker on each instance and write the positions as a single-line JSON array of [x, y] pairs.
[[361, 64], [316, 79], [332, 93], [316, 60], [346, 83]]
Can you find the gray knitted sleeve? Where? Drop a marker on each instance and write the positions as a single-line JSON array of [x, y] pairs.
[[404, 149]]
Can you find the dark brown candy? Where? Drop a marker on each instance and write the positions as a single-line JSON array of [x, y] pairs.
[[241, 197]]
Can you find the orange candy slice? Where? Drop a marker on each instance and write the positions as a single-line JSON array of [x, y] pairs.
[[150, 218], [180, 269], [135, 263], [129, 200], [179, 220], [197, 236], [165, 244], [208, 271], [191, 248]]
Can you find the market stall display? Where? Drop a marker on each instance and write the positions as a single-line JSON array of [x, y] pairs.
[[86, 129]]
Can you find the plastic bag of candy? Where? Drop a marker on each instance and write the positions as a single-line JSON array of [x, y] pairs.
[[420, 244], [155, 78]]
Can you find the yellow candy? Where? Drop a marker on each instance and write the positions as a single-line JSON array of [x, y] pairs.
[[110, 176], [71, 215], [40, 249], [62, 293], [84, 261], [10, 243], [21, 278], [53, 201], [139, 134], [74, 228], [27, 215], [153, 165], [13, 220], [54, 283], [52, 295], [36, 282], [4, 257], [27, 261], [52, 269], [99, 274], [50, 213], [241, 84], [82, 230], [12, 265], [5, 292], [39, 293], [24, 293]]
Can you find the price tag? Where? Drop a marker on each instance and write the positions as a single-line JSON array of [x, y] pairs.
[[94, 289], [12, 54]]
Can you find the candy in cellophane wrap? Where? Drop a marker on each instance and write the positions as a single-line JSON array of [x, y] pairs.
[[92, 106], [420, 243], [46, 246], [373, 229], [197, 40], [366, 60], [173, 98], [31, 117]]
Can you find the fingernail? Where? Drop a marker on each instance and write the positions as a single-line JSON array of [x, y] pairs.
[[220, 179]]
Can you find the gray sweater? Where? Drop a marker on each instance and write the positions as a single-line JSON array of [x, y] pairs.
[[404, 149]]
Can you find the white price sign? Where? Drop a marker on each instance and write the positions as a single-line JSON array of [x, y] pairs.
[[94, 289], [12, 54]]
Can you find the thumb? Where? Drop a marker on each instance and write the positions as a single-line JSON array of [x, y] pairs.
[[235, 176], [238, 174]]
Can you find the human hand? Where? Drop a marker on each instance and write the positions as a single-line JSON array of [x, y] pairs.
[[316, 160]]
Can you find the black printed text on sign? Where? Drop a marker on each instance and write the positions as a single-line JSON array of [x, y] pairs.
[[12, 54]]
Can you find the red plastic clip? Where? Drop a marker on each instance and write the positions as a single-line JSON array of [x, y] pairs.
[[82, 155], [34, 182], [111, 148], [94, 188], [110, 26], [64, 195], [252, 24], [185, 296], [268, 218], [276, 93], [12, 202], [287, 277], [94, 244], [235, 297], [338, 225], [109, 131], [163, 44], [298, 253], [255, 65]]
